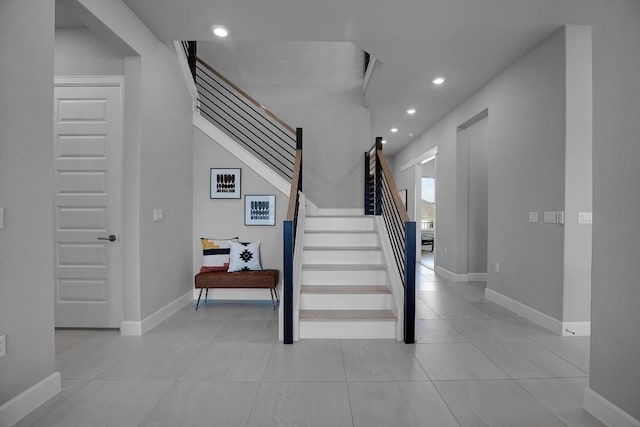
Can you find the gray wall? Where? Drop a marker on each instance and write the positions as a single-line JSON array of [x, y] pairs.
[[477, 220], [316, 86], [224, 218], [615, 317], [158, 163], [526, 133], [26, 171], [79, 52]]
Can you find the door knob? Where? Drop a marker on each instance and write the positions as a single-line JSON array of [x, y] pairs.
[[111, 238]]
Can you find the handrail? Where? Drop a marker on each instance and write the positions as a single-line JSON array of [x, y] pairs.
[[290, 235], [246, 95], [383, 199]]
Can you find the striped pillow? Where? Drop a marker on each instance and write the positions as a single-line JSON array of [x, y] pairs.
[[215, 254]]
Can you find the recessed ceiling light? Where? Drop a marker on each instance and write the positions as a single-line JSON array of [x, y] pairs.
[[394, 130], [411, 111], [438, 80], [220, 31], [410, 134]]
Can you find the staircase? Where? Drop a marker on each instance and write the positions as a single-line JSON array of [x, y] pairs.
[[343, 292]]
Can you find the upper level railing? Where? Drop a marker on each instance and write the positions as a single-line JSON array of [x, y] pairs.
[[241, 117], [290, 228], [382, 198]]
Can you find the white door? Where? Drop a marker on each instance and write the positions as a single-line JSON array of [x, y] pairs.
[[87, 187]]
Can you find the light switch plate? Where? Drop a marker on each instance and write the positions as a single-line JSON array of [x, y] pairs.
[[1, 218], [549, 217], [560, 217], [533, 216], [158, 215], [585, 218], [3, 346]]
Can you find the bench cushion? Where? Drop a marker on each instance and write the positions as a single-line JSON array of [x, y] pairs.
[[240, 279]]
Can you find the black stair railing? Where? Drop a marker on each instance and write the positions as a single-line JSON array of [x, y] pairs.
[[381, 197], [241, 117]]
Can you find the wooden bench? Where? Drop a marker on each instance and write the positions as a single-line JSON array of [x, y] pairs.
[[255, 279]]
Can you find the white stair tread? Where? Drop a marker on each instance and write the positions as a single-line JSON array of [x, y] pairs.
[[344, 289], [347, 315], [344, 267], [342, 248], [315, 231]]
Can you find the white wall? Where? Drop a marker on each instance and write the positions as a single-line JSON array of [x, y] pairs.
[[316, 86], [615, 317], [526, 107], [26, 172], [158, 163], [224, 218], [79, 52]]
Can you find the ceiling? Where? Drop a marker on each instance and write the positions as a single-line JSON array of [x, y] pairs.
[[466, 41]]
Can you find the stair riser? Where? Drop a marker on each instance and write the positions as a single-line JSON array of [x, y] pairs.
[[342, 257], [345, 301], [319, 278], [341, 239], [339, 223], [347, 330]]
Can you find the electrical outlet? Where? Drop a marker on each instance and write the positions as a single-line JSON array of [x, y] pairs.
[[497, 267], [158, 215], [1, 218], [3, 346]]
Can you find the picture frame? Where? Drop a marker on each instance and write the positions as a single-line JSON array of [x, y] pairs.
[[403, 197], [225, 183], [260, 209]]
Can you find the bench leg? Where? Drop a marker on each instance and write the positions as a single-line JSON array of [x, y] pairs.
[[206, 296], [199, 295], [276, 301]]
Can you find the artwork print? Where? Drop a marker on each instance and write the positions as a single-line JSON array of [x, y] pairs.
[[260, 210], [225, 183]]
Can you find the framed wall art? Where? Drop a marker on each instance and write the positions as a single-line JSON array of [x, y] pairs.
[[225, 183], [260, 210]]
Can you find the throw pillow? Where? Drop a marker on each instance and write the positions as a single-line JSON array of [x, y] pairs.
[[244, 256], [215, 254]]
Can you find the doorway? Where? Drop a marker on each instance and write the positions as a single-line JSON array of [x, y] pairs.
[[87, 201], [427, 211]]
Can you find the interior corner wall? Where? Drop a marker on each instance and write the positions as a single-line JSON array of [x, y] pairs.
[[615, 317], [162, 142], [224, 218], [26, 172], [526, 132]]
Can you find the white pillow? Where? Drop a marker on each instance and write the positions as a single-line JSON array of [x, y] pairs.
[[244, 256]]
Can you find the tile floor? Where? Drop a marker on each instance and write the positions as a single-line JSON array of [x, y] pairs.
[[475, 364]]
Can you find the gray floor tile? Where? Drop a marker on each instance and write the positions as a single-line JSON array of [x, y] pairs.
[[494, 403], [306, 362], [401, 404], [564, 397], [463, 310], [106, 403], [69, 387], [495, 311], [247, 330], [574, 351], [87, 359], [456, 361], [486, 330], [229, 362], [308, 404], [152, 361], [381, 362], [436, 330], [528, 360], [204, 404], [424, 312]]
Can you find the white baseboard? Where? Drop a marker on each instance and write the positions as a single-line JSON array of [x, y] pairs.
[[537, 317], [451, 276], [151, 321], [235, 294], [606, 411], [339, 212], [477, 277], [21, 405]]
